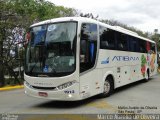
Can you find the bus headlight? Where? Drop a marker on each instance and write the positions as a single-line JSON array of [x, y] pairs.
[[65, 85]]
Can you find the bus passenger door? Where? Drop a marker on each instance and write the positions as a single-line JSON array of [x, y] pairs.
[[89, 76]]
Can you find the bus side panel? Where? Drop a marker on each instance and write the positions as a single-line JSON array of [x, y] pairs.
[[127, 67], [90, 83], [136, 67], [135, 72], [153, 64]]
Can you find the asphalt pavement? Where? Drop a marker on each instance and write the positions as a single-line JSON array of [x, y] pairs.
[[140, 97]]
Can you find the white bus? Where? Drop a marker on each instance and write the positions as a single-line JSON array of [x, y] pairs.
[[74, 58]]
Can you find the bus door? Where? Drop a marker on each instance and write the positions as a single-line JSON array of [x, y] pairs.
[[89, 76]]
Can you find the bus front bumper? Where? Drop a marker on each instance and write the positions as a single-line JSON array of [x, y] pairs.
[[68, 94]]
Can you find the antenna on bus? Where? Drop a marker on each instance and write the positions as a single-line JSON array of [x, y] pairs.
[[126, 30]]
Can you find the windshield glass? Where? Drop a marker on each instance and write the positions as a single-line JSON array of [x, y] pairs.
[[51, 50]]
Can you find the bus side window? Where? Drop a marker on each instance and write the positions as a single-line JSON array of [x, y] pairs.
[[107, 38], [122, 41], [88, 46], [142, 45], [133, 44]]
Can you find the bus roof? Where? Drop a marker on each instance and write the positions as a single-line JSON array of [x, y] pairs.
[[88, 20]]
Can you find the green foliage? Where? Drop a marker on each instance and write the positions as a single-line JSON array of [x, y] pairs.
[[116, 23], [156, 38], [36, 10], [21, 14], [11, 81]]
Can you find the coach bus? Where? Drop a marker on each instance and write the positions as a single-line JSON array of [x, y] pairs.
[[74, 58]]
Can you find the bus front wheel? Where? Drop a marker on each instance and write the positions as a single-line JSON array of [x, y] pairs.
[[108, 87]]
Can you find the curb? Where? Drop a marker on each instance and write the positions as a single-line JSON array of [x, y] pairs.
[[11, 87]]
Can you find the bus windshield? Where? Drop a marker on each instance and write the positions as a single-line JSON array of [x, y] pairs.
[[51, 50]]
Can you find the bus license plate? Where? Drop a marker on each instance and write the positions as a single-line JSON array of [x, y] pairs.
[[43, 94]]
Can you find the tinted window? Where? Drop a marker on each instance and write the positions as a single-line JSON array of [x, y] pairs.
[[114, 40], [88, 46], [89, 31], [51, 50], [133, 43], [107, 38], [121, 41], [142, 46]]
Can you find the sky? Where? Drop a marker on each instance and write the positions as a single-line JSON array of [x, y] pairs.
[[141, 14]]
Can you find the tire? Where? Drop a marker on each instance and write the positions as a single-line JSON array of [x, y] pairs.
[[108, 87], [148, 76]]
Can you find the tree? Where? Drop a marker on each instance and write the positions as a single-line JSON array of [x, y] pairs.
[[89, 15], [8, 42], [117, 23], [20, 14], [2, 37], [156, 37]]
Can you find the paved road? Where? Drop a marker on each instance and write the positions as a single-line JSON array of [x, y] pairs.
[[139, 97]]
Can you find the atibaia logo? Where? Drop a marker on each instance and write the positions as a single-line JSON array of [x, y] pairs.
[[106, 61], [124, 58], [120, 58]]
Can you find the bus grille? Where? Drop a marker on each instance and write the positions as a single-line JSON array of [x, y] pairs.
[[44, 88]]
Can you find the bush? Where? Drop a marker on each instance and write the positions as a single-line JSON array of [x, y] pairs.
[[12, 81]]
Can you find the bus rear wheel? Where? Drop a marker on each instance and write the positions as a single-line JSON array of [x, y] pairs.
[[147, 77], [108, 87]]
